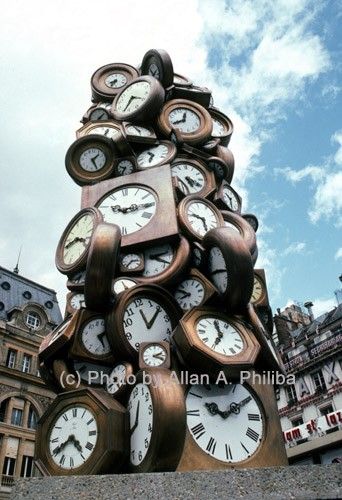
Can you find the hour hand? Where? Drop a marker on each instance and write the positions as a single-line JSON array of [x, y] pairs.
[[136, 422]]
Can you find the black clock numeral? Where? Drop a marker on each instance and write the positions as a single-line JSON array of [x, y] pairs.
[[89, 446], [55, 451], [92, 433], [54, 440], [90, 421], [254, 416], [205, 339], [232, 350], [57, 427], [74, 412], [193, 413], [229, 455], [252, 434], [65, 416], [124, 192], [62, 460], [146, 215], [198, 430], [123, 230], [244, 447], [236, 346], [211, 446], [83, 457], [71, 462]]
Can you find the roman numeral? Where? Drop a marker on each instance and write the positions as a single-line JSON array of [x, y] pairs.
[[253, 416], [54, 440], [71, 462], [244, 447], [232, 350], [193, 413], [124, 192], [211, 446], [123, 230], [89, 446], [62, 460], [198, 430], [146, 215], [90, 421], [252, 434], [65, 417], [74, 412], [57, 427], [83, 413], [229, 455], [92, 433]]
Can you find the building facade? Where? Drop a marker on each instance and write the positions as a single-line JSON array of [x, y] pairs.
[[311, 408], [28, 312]]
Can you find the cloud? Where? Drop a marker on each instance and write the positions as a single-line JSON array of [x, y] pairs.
[[338, 254], [315, 173], [321, 306], [295, 248]]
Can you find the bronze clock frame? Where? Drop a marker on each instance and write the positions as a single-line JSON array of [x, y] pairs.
[[101, 91], [209, 186], [183, 217]]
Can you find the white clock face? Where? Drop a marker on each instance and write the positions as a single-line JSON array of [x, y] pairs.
[[231, 226], [201, 217], [98, 114], [90, 373], [155, 155], [116, 379], [257, 290], [105, 130], [133, 97], [131, 208], [94, 337], [220, 336], [122, 284], [230, 199], [190, 293], [78, 239], [73, 437], [92, 159], [217, 269], [154, 355], [138, 130], [218, 128], [77, 301], [115, 80], [185, 120], [157, 259], [140, 408], [153, 70], [131, 261], [226, 422], [190, 179], [145, 319], [125, 167]]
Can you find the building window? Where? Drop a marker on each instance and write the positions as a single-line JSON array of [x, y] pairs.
[[318, 380], [5, 285], [26, 466], [11, 358], [17, 416], [27, 295], [26, 366], [325, 410], [49, 304], [3, 408], [296, 422], [291, 394], [2, 306], [33, 320], [32, 419], [9, 466]]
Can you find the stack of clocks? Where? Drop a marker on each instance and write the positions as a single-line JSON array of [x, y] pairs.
[[165, 310]]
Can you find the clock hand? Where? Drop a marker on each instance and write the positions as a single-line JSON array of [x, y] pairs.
[[235, 407], [152, 320], [132, 260], [134, 207], [129, 101], [137, 129], [159, 355], [113, 81], [93, 160], [157, 257], [185, 187], [186, 294], [202, 219], [63, 445], [100, 337], [192, 182], [75, 240], [151, 155], [143, 317], [212, 408], [136, 422]]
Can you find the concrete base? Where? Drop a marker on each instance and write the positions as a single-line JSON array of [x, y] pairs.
[[296, 482]]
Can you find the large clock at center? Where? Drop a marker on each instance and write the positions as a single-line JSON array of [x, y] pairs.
[[142, 204]]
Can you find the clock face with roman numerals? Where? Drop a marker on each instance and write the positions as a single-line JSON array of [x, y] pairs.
[[73, 437], [220, 336], [131, 208], [226, 422]]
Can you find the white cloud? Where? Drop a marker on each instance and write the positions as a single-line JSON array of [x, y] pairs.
[[338, 254], [327, 200], [295, 248], [315, 173], [321, 306]]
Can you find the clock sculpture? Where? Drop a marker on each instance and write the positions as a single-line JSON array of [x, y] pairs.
[[165, 309]]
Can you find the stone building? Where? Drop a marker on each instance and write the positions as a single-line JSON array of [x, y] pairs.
[[311, 408], [28, 311]]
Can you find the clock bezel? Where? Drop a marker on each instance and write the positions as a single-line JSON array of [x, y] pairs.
[[100, 91]]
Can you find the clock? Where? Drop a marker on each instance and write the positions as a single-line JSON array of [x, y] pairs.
[[230, 266], [235, 221], [259, 295], [90, 159], [199, 95], [73, 247], [158, 154], [193, 176], [101, 265], [120, 285], [154, 355], [74, 302], [139, 133], [198, 255], [108, 80], [232, 426], [97, 112], [142, 312], [194, 290], [125, 166], [108, 128], [156, 412], [82, 432], [222, 164], [90, 341], [157, 63], [252, 220], [119, 378], [227, 198], [139, 100], [222, 126], [139, 204], [211, 145], [131, 262], [213, 343], [164, 264], [197, 216], [191, 119], [57, 340], [75, 281]]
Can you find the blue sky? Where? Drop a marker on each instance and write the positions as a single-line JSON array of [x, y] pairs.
[[274, 67]]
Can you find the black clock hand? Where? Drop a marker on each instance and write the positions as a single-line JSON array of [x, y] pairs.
[[129, 101], [93, 159], [100, 336], [202, 219], [151, 155], [157, 257], [63, 445], [75, 240], [137, 129], [131, 262], [113, 81], [152, 320], [192, 182], [134, 207], [160, 355], [235, 407], [212, 408], [186, 294], [136, 422], [142, 314]]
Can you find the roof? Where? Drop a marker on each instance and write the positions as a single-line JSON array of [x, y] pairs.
[[14, 287], [321, 322]]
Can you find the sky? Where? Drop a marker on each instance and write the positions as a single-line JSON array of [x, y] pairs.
[[274, 67]]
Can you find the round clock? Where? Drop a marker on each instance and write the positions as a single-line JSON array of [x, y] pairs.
[[90, 159], [230, 266], [139, 100], [197, 216], [94, 339], [157, 63], [108, 129], [222, 126], [142, 312], [193, 176], [131, 207], [252, 220], [72, 249], [154, 355], [74, 302], [74, 435], [96, 113], [226, 422], [158, 154], [117, 381], [259, 290], [193, 121], [108, 80], [194, 290], [131, 262], [125, 166], [75, 281], [156, 411], [139, 133], [227, 198], [120, 285]]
